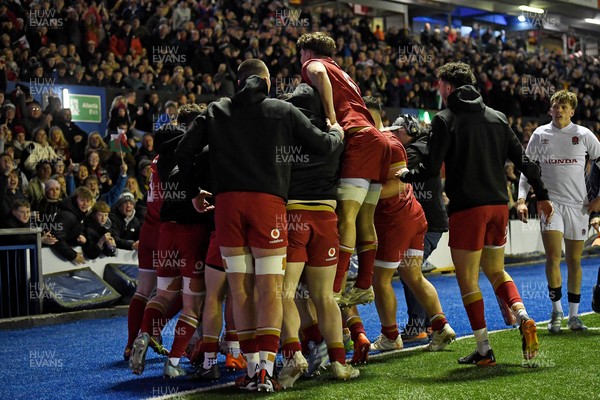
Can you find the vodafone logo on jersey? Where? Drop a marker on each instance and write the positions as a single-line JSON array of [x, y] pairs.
[[276, 234], [332, 253]]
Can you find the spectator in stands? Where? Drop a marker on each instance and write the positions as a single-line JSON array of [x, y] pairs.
[[20, 217], [393, 92], [42, 151], [168, 116], [9, 111], [52, 110], [426, 34], [21, 146], [125, 226], [70, 217], [73, 134], [35, 191], [118, 116], [59, 144], [95, 143], [48, 206], [58, 166], [132, 108], [143, 177], [97, 169], [112, 195], [133, 79], [10, 189], [152, 108], [140, 197], [76, 176], [147, 150], [62, 181], [98, 234], [181, 15], [5, 137], [34, 119]]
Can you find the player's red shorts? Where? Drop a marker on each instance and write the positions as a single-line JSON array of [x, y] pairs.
[[250, 219], [479, 227], [182, 249], [399, 232], [148, 245], [313, 236], [367, 156], [213, 255]]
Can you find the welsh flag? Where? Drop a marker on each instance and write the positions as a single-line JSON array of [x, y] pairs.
[[118, 142]]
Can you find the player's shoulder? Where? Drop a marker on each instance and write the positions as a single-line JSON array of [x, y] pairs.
[[583, 131], [315, 64], [546, 128], [221, 104]]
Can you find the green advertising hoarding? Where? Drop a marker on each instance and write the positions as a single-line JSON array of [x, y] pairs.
[[85, 108]]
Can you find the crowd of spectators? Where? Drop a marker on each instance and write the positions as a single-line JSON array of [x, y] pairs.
[[189, 48]]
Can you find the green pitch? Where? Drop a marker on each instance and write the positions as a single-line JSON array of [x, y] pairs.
[[568, 367]]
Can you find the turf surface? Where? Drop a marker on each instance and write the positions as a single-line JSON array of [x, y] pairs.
[[83, 359], [566, 368]]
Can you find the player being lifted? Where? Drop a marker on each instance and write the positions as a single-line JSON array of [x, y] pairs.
[[364, 169]]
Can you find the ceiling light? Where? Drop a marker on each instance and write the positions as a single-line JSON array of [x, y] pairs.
[[531, 9], [592, 21]]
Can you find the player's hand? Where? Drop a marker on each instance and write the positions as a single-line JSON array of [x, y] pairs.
[[335, 126], [403, 170], [594, 205], [81, 239], [545, 210], [200, 203], [522, 210], [135, 245]]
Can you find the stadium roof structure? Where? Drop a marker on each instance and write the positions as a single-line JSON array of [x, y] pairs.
[[565, 16]]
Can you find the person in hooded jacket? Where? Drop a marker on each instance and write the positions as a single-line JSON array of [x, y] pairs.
[[474, 141]]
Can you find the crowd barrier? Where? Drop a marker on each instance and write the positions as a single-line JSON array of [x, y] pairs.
[[20, 275], [522, 238]]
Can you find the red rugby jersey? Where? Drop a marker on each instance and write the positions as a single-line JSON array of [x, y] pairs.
[[405, 203], [350, 109]]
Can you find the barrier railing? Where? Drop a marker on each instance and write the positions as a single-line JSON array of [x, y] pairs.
[[21, 285]]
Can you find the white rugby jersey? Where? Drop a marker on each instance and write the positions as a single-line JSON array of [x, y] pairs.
[[561, 155]]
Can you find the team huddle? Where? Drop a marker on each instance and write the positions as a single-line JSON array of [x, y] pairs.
[[233, 224]]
